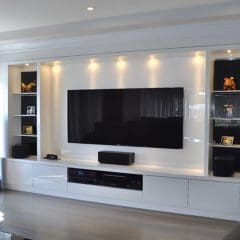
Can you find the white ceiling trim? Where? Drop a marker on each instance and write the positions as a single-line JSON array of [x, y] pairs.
[[193, 36]]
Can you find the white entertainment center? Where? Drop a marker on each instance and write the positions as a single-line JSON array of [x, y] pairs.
[[174, 180], [179, 191]]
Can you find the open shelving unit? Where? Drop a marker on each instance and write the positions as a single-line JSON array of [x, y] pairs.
[[225, 110], [24, 107], [30, 107]]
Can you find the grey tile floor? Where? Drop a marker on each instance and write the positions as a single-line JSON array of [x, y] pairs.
[[48, 218]]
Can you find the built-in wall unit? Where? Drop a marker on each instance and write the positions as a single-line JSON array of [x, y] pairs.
[[69, 99], [23, 109], [225, 121]]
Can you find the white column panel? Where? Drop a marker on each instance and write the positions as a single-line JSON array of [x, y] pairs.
[[45, 108], [3, 110]]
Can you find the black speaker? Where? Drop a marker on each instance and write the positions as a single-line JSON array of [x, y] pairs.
[[223, 166], [120, 158], [20, 150]]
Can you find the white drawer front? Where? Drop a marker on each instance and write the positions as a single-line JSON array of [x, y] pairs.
[[165, 191], [104, 192], [214, 196], [50, 177], [18, 174]]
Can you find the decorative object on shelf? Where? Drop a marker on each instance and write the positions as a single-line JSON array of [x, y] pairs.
[[227, 140], [51, 157], [228, 111], [229, 83], [31, 110], [28, 130], [30, 87]]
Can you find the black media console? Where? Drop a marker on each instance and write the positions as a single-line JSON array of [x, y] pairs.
[[104, 178]]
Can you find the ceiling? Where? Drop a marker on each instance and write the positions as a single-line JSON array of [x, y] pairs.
[[26, 14], [27, 21]]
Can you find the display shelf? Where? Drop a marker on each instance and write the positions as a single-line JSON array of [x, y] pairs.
[[24, 115], [235, 178], [225, 119], [25, 135], [225, 111], [32, 157], [26, 94], [23, 107], [226, 92], [225, 146]]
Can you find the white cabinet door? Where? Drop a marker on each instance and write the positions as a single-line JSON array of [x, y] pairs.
[[50, 177], [165, 191], [19, 174], [86, 190], [214, 196]]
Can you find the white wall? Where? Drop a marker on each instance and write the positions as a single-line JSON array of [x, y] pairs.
[[3, 114], [3, 110], [186, 71]]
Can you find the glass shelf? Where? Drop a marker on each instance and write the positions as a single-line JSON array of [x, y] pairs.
[[26, 94], [226, 92], [225, 146], [24, 115], [25, 135], [225, 119]]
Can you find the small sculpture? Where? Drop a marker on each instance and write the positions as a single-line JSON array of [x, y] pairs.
[[28, 87], [228, 111], [229, 83]]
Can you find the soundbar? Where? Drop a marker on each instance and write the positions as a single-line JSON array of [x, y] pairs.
[[119, 158]]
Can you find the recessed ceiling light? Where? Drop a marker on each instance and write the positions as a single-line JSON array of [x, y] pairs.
[[229, 51], [90, 8]]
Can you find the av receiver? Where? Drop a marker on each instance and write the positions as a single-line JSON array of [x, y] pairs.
[[105, 178]]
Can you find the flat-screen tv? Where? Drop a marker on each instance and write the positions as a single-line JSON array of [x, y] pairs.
[[144, 117]]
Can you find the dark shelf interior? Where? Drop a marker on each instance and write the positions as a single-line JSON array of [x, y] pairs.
[[226, 128], [29, 101], [226, 105], [228, 152], [226, 68]]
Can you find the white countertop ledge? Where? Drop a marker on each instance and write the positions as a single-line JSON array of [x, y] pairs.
[[148, 170]]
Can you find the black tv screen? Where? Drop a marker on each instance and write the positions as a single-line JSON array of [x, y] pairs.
[[148, 117]]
